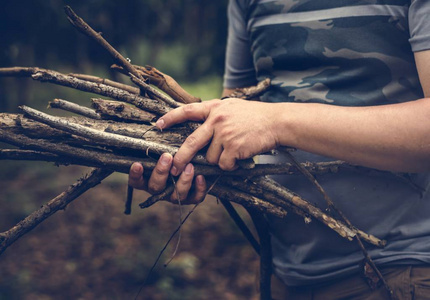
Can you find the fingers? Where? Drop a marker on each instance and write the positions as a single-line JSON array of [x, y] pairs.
[[183, 184], [200, 190], [186, 191], [214, 151], [227, 161], [135, 176], [194, 142], [190, 112], [160, 174]]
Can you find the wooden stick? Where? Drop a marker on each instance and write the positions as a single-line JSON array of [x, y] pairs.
[[252, 92], [343, 230], [121, 86], [104, 137], [66, 154], [331, 205], [86, 29], [163, 81], [154, 92], [8, 237], [119, 111], [247, 200], [51, 76], [74, 108]]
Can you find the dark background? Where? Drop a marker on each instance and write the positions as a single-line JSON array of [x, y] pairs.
[[92, 250]]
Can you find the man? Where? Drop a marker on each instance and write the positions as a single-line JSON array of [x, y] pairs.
[[349, 81]]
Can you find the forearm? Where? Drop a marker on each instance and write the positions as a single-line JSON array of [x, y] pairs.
[[390, 137]]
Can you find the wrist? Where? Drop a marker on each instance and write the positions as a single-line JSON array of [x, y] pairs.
[[285, 123]]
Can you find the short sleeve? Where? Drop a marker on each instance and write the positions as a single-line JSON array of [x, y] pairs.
[[419, 25], [239, 66]]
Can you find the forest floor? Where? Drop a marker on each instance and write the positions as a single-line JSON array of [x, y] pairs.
[[93, 251]]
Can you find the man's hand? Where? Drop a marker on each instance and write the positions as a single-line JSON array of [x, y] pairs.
[[235, 129], [188, 192]]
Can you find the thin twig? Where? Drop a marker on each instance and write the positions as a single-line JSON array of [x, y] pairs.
[[273, 187], [253, 92], [129, 200], [331, 205], [241, 224], [122, 86], [164, 249], [74, 108], [178, 198], [86, 29], [154, 92], [163, 81]]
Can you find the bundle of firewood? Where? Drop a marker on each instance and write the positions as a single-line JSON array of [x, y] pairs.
[[112, 134]]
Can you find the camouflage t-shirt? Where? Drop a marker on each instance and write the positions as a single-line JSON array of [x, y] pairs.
[[349, 53]]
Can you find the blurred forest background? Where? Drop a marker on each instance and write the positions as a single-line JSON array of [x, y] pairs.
[[92, 250]]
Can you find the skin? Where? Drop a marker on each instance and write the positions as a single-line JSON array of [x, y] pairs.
[[388, 137]]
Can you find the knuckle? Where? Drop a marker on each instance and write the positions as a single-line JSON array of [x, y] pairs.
[[191, 141], [233, 146], [219, 118], [227, 166], [214, 103], [160, 171], [188, 109], [212, 160], [154, 188], [181, 195], [244, 154], [186, 180], [178, 160], [227, 132], [136, 183]]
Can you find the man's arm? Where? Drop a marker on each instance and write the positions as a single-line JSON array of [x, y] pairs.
[[389, 137]]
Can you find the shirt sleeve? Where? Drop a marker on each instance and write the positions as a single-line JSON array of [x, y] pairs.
[[419, 25], [239, 66]]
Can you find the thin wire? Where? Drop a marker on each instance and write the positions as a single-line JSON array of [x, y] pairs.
[[164, 249], [180, 223], [171, 237]]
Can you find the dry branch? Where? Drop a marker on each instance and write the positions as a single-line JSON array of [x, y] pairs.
[[8, 237], [105, 138], [121, 111], [83, 27], [74, 108], [163, 81], [121, 86], [51, 76], [154, 92], [253, 92]]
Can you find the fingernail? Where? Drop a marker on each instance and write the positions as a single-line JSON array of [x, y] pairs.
[[160, 123], [135, 168], [188, 169], [165, 159], [199, 180], [174, 171]]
